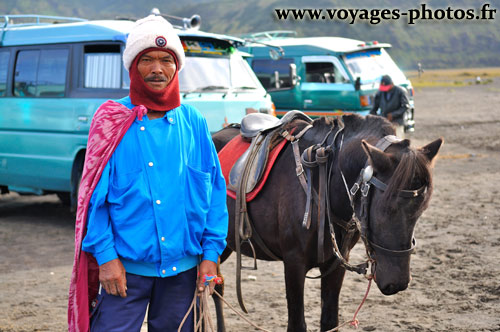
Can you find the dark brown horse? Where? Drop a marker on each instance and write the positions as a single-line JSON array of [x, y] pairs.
[[395, 185]]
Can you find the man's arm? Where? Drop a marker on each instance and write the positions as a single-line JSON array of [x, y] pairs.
[[214, 236], [99, 240], [404, 104], [376, 104]]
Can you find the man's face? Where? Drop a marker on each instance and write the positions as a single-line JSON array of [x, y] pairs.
[[157, 68]]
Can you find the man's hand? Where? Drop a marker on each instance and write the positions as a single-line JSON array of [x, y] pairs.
[[389, 116], [206, 267], [112, 278]]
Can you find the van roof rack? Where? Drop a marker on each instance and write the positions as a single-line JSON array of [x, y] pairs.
[[27, 20], [270, 35]]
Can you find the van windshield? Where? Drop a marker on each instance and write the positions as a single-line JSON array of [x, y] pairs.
[[370, 65], [216, 73]]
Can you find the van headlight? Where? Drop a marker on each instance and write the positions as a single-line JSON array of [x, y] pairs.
[[365, 100], [269, 110]]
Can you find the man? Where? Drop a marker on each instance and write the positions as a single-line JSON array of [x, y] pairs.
[[393, 103], [152, 201]]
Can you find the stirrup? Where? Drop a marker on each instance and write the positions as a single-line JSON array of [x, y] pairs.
[[253, 253]]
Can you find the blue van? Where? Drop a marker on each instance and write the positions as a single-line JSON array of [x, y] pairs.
[[56, 71], [323, 76]]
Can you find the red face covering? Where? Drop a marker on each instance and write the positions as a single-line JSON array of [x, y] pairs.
[[157, 100]]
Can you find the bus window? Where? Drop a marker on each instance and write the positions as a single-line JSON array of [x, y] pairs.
[[103, 67], [41, 73], [4, 64]]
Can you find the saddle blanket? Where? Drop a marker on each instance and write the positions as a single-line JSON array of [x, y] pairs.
[[230, 154]]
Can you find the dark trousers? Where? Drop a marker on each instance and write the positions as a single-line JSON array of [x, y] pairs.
[[168, 298]]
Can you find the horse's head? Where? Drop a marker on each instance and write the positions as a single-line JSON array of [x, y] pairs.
[[400, 186]]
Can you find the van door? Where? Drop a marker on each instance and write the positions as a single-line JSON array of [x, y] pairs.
[[326, 85], [31, 152]]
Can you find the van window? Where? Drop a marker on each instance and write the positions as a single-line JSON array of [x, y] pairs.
[[103, 67], [4, 65], [201, 73], [41, 73], [370, 65], [264, 69], [242, 75], [323, 72], [51, 80], [25, 77]]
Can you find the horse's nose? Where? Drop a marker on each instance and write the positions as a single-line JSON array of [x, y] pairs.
[[391, 289]]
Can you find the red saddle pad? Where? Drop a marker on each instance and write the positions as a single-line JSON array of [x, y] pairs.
[[230, 154]]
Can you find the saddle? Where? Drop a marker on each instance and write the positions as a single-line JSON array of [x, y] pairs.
[[264, 131]]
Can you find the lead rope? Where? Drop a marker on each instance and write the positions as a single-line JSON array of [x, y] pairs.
[[204, 322], [354, 321]]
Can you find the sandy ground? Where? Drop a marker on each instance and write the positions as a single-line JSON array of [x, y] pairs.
[[455, 270]]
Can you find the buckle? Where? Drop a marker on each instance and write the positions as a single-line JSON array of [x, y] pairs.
[[365, 188], [299, 170], [354, 189]]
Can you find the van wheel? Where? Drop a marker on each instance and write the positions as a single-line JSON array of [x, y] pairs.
[[65, 198], [76, 179], [74, 194]]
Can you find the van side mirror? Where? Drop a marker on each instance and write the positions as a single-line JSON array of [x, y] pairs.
[[294, 79], [357, 83]]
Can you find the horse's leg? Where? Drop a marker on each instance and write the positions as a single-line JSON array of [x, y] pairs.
[[219, 306], [294, 279], [330, 291]]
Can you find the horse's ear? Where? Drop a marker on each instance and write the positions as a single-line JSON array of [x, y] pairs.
[[377, 158], [405, 143], [432, 149]]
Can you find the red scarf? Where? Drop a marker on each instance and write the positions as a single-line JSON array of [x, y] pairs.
[[157, 100], [110, 123]]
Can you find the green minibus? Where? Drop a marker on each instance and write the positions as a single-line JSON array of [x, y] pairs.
[[322, 76]]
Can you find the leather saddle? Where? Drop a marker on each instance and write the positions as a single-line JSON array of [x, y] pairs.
[[262, 129]]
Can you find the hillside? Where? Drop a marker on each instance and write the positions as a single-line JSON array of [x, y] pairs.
[[434, 43]]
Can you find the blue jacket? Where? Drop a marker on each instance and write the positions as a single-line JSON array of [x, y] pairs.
[[160, 204]]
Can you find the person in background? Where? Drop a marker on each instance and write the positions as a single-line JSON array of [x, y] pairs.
[[393, 103], [152, 217]]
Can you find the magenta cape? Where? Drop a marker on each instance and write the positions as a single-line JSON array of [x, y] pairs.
[[110, 122]]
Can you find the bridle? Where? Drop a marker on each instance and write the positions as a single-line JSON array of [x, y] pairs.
[[363, 184], [362, 187]]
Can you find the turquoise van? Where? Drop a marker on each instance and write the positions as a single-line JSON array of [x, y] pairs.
[[56, 71], [322, 76]]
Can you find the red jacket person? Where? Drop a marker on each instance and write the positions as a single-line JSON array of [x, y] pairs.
[[152, 200], [392, 101]]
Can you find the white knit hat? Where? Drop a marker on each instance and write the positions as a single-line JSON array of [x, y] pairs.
[[152, 31]]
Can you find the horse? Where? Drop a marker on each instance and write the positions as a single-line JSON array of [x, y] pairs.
[[385, 215]]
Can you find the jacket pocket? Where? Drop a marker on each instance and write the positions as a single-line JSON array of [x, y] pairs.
[[198, 193], [126, 184]]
